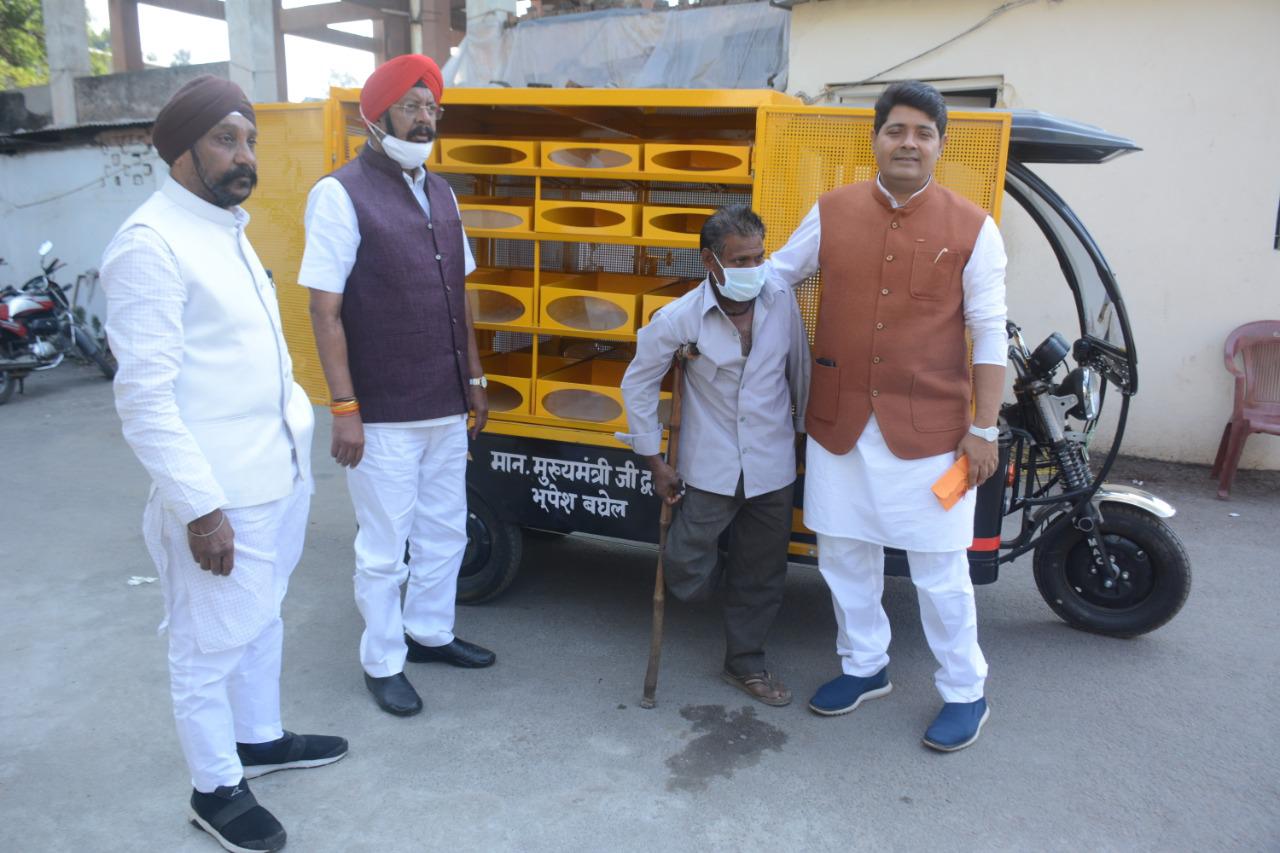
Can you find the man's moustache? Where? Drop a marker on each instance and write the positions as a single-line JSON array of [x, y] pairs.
[[423, 130], [237, 173]]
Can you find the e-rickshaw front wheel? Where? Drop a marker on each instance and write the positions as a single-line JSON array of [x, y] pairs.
[[1154, 581], [492, 558]]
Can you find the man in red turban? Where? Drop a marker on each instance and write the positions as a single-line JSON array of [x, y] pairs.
[[386, 260], [208, 404]]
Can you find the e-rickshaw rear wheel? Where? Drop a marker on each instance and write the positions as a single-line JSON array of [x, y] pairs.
[[492, 558], [1155, 574]]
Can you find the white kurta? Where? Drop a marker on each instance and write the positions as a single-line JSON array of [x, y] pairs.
[[207, 400], [869, 494], [410, 483]]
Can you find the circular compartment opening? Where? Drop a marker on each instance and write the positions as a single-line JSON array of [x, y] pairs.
[[487, 155], [491, 306], [581, 405], [503, 398], [590, 158], [692, 160], [588, 313], [482, 219], [680, 223], [583, 217]]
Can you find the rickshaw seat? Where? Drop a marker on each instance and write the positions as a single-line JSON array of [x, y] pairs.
[[1252, 356]]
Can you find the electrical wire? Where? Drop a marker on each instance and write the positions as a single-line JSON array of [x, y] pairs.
[[99, 181], [991, 16]]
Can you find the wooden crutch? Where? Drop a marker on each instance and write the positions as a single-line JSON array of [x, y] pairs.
[[664, 524]]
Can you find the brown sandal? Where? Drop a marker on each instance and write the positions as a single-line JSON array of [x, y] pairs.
[[761, 686]]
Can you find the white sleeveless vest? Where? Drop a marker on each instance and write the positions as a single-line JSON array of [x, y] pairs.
[[235, 390]]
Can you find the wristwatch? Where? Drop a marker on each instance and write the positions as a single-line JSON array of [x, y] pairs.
[[985, 433], [482, 381]]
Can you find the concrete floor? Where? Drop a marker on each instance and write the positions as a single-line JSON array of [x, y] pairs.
[[1166, 742]]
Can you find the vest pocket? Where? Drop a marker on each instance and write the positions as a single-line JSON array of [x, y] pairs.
[[933, 271], [940, 400], [824, 391]]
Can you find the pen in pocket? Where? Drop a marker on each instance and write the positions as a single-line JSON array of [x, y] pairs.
[[826, 362], [940, 254]]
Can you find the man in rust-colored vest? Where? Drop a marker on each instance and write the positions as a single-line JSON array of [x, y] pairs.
[[908, 266], [386, 261]]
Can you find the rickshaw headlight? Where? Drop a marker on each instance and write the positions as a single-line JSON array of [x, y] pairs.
[[1086, 386], [1046, 358]]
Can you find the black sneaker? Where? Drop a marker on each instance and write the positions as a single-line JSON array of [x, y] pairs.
[[290, 752], [235, 820]]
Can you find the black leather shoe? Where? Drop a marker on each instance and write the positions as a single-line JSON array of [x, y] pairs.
[[394, 694], [458, 653]]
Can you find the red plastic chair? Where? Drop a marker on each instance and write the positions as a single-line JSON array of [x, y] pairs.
[[1257, 404]]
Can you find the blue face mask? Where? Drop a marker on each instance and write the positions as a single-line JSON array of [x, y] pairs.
[[741, 284]]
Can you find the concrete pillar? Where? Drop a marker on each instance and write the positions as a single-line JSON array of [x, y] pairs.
[[394, 36], [251, 33], [282, 69], [126, 38], [66, 43], [434, 30]]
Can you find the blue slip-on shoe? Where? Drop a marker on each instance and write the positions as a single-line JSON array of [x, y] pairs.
[[957, 725], [842, 694]]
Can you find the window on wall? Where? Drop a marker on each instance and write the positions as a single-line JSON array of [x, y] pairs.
[[960, 92]]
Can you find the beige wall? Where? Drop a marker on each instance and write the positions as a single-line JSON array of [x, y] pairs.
[[1187, 224]]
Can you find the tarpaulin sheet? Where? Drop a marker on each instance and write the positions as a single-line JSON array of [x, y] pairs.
[[741, 46]]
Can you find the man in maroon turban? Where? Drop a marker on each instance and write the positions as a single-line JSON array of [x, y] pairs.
[[206, 396], [386, 261], [217, 171]]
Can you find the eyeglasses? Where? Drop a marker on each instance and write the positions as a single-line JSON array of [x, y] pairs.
[[411, 111]]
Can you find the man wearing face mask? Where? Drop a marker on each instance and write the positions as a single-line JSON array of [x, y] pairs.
[[743, 403], [207, 401], [386, 261]]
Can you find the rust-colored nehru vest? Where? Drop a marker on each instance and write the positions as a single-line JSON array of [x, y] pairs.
[[891, 333]]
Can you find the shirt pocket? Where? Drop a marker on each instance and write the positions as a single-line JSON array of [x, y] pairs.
[[933, 272], [702, 367]]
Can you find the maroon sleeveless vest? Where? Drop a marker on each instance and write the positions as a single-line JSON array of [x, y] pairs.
[[403, 308]]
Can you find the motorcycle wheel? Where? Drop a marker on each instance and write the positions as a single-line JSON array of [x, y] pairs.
[[99, 355], [1154, 582], [7, 384]]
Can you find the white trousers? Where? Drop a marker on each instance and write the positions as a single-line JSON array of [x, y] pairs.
[[854, 570], [411, 484], [231, 694]]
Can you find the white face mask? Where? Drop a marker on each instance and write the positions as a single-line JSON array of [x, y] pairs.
[[741, 284], [410, 155]]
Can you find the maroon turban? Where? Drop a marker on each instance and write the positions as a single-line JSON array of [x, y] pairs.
[[193, 111], [392, 79]]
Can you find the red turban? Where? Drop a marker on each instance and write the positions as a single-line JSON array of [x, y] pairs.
[[193, 111], [388, 83]]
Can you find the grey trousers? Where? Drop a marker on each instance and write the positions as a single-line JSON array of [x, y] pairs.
[[754, 572]]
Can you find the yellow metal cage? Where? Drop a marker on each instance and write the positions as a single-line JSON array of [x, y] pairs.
[[642, 169]]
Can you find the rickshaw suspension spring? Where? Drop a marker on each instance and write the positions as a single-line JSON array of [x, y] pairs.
[[1075, 472]]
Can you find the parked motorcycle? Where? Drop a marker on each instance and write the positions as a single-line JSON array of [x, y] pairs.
[[38, 329]]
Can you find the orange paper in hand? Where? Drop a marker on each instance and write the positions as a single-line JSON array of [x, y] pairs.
[[952, 485]]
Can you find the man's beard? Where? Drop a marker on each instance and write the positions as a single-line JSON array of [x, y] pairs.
[[223, 195]]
